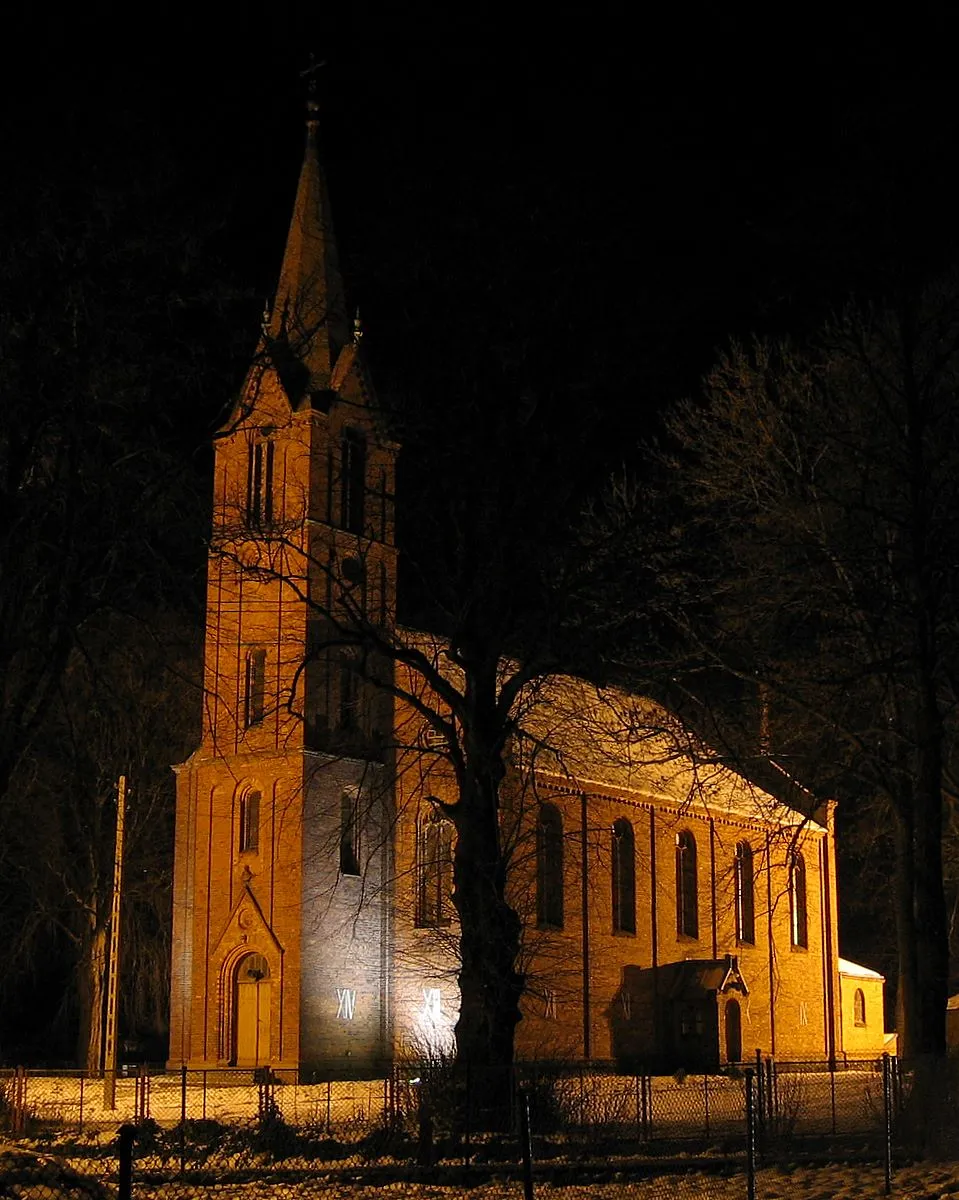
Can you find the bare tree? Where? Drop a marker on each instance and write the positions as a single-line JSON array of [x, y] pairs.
[[812, 553], [495, 569], [112, 711], [101, 366]]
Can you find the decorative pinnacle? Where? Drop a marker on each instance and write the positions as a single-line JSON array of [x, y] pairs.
[[357, 328]]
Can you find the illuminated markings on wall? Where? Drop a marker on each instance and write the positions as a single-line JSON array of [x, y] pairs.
[[432, 1004], [549, 1006], [345, 1003], [626, 1001], [803, 1013]]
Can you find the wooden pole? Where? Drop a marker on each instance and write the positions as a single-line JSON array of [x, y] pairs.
[[113, 966]]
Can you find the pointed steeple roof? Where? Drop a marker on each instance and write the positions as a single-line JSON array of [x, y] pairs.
[[308, 324]]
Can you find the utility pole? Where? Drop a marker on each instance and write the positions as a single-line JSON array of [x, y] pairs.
[[113, 966]]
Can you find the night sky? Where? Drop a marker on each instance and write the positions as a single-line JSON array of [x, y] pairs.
[[583, 211], [596, 207]]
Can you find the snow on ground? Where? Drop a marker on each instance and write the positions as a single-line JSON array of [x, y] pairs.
[[831, 1182]]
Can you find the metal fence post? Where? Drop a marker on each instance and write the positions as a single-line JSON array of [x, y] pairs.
[[639, 1109], [772, 1093], [706, 1102], [527, 1146], [887, 1120], [19, 1114], [648, 1108], [832, 1094], [750, 1136], [125, 1136], [426, 1151], [895, 1066], [141, 1095]]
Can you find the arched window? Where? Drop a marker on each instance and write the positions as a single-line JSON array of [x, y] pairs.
[[624, 877], [259, 485], [745, 900], [384, 596], [249, 833], [434, 871], [350, 690], [859, 1007], [352, 480], [254, 699], [687, 888], [799, 928], [549, 868], [349, 834]]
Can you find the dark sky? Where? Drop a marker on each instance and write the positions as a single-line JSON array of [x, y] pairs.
[[591, 207], [584, 210]]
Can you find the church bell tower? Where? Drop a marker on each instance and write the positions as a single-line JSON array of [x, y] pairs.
[[282, 874]]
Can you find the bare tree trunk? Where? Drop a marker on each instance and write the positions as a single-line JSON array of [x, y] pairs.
[[491, 986], [91, 985], [931, 927], [931, 931], [489, 982], [908, 993]]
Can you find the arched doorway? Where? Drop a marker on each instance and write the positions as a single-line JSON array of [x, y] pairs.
[[251, 997], [734, 1032]]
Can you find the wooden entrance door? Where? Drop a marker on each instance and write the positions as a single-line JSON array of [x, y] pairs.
[[253, 1002]]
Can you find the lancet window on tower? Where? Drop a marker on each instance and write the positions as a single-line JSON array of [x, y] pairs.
[[254, 700], [249, 831], [351, 715], [352, 481], [349, 834], [259, 485], [384, 597]]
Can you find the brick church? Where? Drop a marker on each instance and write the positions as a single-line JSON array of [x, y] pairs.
[[673, 913]]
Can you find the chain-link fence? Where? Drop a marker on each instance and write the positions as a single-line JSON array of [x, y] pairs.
[[275, 1133]]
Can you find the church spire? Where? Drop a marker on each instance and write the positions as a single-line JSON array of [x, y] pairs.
[[308, 323]]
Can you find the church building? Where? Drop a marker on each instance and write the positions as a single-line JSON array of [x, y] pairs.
[[674, 914]]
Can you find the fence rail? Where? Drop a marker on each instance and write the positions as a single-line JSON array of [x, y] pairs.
[[793, 1099]]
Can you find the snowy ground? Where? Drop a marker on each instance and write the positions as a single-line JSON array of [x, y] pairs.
[[828, 1182], [831, 1182]]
